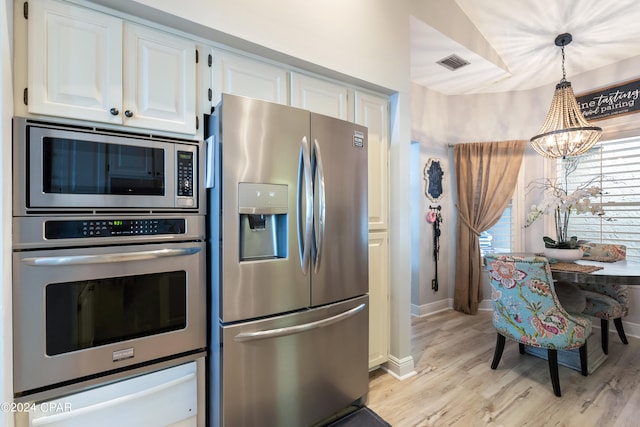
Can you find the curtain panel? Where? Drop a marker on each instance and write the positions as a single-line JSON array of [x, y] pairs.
[[486, 175]]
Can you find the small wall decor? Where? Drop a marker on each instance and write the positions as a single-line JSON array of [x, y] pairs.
[[434, 177], [434, 217]]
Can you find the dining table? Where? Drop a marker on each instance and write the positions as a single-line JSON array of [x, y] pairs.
[[624, 272]]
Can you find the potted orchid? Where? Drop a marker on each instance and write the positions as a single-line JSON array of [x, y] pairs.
[[562, 204]]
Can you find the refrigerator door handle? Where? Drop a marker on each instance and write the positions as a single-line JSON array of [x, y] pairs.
[[291, 330], [305, 230], [319, 233]]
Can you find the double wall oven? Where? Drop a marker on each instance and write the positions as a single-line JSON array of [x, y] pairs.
[[108, 255]]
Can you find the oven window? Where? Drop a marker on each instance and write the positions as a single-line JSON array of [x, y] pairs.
[[87, 167], [97, 312]]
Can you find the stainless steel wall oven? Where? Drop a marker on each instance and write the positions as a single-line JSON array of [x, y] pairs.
[[108, 256]]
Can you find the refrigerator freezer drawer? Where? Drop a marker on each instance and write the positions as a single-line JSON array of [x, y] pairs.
[[296, 369]]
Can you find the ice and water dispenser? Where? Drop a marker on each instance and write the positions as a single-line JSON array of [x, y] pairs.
[[263, 210]]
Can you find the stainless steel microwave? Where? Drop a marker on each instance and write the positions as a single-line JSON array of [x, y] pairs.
[[79, 169]]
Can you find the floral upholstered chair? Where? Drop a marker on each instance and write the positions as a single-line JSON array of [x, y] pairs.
[[526, 309], [610, 300]]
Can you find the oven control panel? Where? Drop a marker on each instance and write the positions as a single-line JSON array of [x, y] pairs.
[[72, 229]]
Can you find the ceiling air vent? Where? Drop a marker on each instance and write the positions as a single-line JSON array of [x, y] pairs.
[[453, 62]]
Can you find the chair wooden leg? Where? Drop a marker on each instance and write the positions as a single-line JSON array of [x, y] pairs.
[[552, 355], [584, 366], [620, 329], [604, 325], [521, 347], [498, 353]]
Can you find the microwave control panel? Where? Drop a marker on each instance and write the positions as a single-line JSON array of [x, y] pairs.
[[72, 229], [185, 174]]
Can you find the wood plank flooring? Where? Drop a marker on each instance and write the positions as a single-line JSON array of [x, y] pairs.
[[455, 385]]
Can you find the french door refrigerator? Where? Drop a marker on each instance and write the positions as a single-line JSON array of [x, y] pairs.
[[288, 263]]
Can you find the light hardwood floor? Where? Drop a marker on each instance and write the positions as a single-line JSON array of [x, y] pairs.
[[455, 385]]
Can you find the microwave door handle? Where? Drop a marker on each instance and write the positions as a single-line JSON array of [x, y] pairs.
[[304, 178], [108, 258], [291, 330], [321, 205]]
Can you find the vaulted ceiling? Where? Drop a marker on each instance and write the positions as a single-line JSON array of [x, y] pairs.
[[509, 44]]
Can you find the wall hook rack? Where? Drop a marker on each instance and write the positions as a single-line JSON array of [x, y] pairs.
[[434, 217]]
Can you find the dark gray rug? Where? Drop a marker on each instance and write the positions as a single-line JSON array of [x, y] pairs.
[[362, 417]]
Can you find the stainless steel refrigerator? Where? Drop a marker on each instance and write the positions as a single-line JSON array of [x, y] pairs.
[[288, 252]]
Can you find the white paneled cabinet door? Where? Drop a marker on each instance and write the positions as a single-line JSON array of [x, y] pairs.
[[320, 96], [159, 80], [74, 62], [378, 298], [243, 76], [372, 111]]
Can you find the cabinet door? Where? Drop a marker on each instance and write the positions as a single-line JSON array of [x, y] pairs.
[[372, 112], [159, 80], [242, 76], [320, 96], [378, 298], [74, 62]]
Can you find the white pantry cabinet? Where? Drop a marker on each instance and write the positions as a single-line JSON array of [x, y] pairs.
[[87, 65], [378, 298], [321, 96], [243, 76], [372, 111]]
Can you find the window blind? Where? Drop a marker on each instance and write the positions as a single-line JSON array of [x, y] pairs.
[[616, 166]]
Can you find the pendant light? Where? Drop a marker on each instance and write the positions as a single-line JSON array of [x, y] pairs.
[[565, 132]]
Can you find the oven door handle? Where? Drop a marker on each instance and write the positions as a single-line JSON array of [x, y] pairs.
[[290, 330], [108, 258]]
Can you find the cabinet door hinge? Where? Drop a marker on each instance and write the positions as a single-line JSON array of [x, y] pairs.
[[210, 60], [210, 94], [25, 96], [197, 123], [25, 10], [197, 56]]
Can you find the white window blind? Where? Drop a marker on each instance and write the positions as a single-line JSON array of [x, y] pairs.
[[617, 164], [499, 238]]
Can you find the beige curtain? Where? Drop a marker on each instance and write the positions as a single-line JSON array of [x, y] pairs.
[[486, 175]]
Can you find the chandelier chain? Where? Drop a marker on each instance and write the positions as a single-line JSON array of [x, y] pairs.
[[564, 72]]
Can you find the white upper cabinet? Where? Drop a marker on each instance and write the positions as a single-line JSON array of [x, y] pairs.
[[159, 80], [320, 96], [372, 111], [243, 76], [74, 62], [86, 65]]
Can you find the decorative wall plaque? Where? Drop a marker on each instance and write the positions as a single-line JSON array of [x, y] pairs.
[[434, 177]]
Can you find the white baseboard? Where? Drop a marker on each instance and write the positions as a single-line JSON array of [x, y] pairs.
[[400, 369], [438, 306], [431, 308]]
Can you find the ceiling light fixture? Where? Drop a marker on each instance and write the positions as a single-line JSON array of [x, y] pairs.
[[565, 132]]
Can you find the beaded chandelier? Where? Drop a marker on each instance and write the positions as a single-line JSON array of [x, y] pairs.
[[565, 132]]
